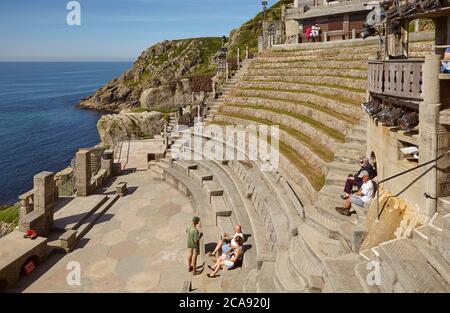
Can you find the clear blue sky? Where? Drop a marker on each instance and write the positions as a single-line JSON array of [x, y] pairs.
[[36, 30]]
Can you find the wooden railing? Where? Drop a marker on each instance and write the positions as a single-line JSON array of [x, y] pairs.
[[397, 78]]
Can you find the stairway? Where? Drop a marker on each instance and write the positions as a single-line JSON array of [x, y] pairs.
[[315, 97], [227, 87]]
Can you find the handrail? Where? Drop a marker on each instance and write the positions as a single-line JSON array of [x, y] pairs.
[[401, 174]]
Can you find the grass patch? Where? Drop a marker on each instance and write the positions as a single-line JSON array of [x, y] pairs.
[[10, 214], [342, 99], [309, 83], [315, 75], [323, 152], [309, 105], [309, 67], [305, 119], [316, 180]]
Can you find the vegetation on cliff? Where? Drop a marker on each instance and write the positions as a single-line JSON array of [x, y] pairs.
[[164, 64], [165, 74]]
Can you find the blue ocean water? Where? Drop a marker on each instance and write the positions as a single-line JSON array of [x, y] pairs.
[[40, 130]]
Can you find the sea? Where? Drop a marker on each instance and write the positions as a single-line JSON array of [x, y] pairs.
[[40, 128]]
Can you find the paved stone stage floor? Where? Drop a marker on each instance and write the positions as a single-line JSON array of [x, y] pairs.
[[137, 246]]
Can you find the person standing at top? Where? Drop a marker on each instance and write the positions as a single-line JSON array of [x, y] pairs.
[[193, 244], [308, 33]]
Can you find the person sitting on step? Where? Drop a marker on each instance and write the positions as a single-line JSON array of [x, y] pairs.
[[363, 196], [227, 242], [354, 180], [229, 259]]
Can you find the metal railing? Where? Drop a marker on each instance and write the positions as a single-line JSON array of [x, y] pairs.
[[379, 213]]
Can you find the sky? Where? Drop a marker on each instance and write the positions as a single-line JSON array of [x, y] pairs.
[[111, 30]]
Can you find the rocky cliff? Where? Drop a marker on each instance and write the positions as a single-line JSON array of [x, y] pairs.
[[162, 77], [113, 127]]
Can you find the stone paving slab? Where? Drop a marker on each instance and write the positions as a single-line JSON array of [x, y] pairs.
[[138, 246], [76, 210]]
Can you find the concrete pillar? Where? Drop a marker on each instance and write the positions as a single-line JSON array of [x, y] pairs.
[[353, 33], [44, 192], [433, 136], [246, 52], [325, 36], [83, 172]]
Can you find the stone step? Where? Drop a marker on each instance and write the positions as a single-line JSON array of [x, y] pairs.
[[335, 178], [184, 166], [332, 64], [353, 234], [325, 52], [330, 120], [413, 272], [251, 279], [341, 274], [225, 225], [444, 205], [359, 130], [285, 277], [308, 70], [352, 97], [213, 188], [325, 101], [244, 213], [310, 130], [200, 175], [347, 83], [220, 207], [265, 283], [321, 222], [321, 247], [302, 263], [356, 139], [314, 57], [437, 261], [348, 154]]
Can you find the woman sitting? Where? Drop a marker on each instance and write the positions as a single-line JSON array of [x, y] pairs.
[[228, 259]]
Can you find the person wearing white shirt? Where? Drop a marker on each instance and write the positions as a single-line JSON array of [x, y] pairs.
[[227, 242], [363, 196]]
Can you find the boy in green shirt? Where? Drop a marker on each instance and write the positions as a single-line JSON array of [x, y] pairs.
[[193, 244]]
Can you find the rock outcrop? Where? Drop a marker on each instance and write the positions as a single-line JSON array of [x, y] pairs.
[[160, 78], [112, 127]]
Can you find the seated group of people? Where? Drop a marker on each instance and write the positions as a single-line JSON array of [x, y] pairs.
[[228, 251], [362, 179]]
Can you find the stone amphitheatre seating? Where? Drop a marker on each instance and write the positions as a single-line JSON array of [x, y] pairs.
[[301, 244]]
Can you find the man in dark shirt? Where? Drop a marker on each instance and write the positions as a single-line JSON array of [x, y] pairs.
[[354, 180]]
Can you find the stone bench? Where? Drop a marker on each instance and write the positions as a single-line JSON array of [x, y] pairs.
[[200, 175], [15, 252], [68, 240], [212, 188], [184, 166], [122, 189]]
